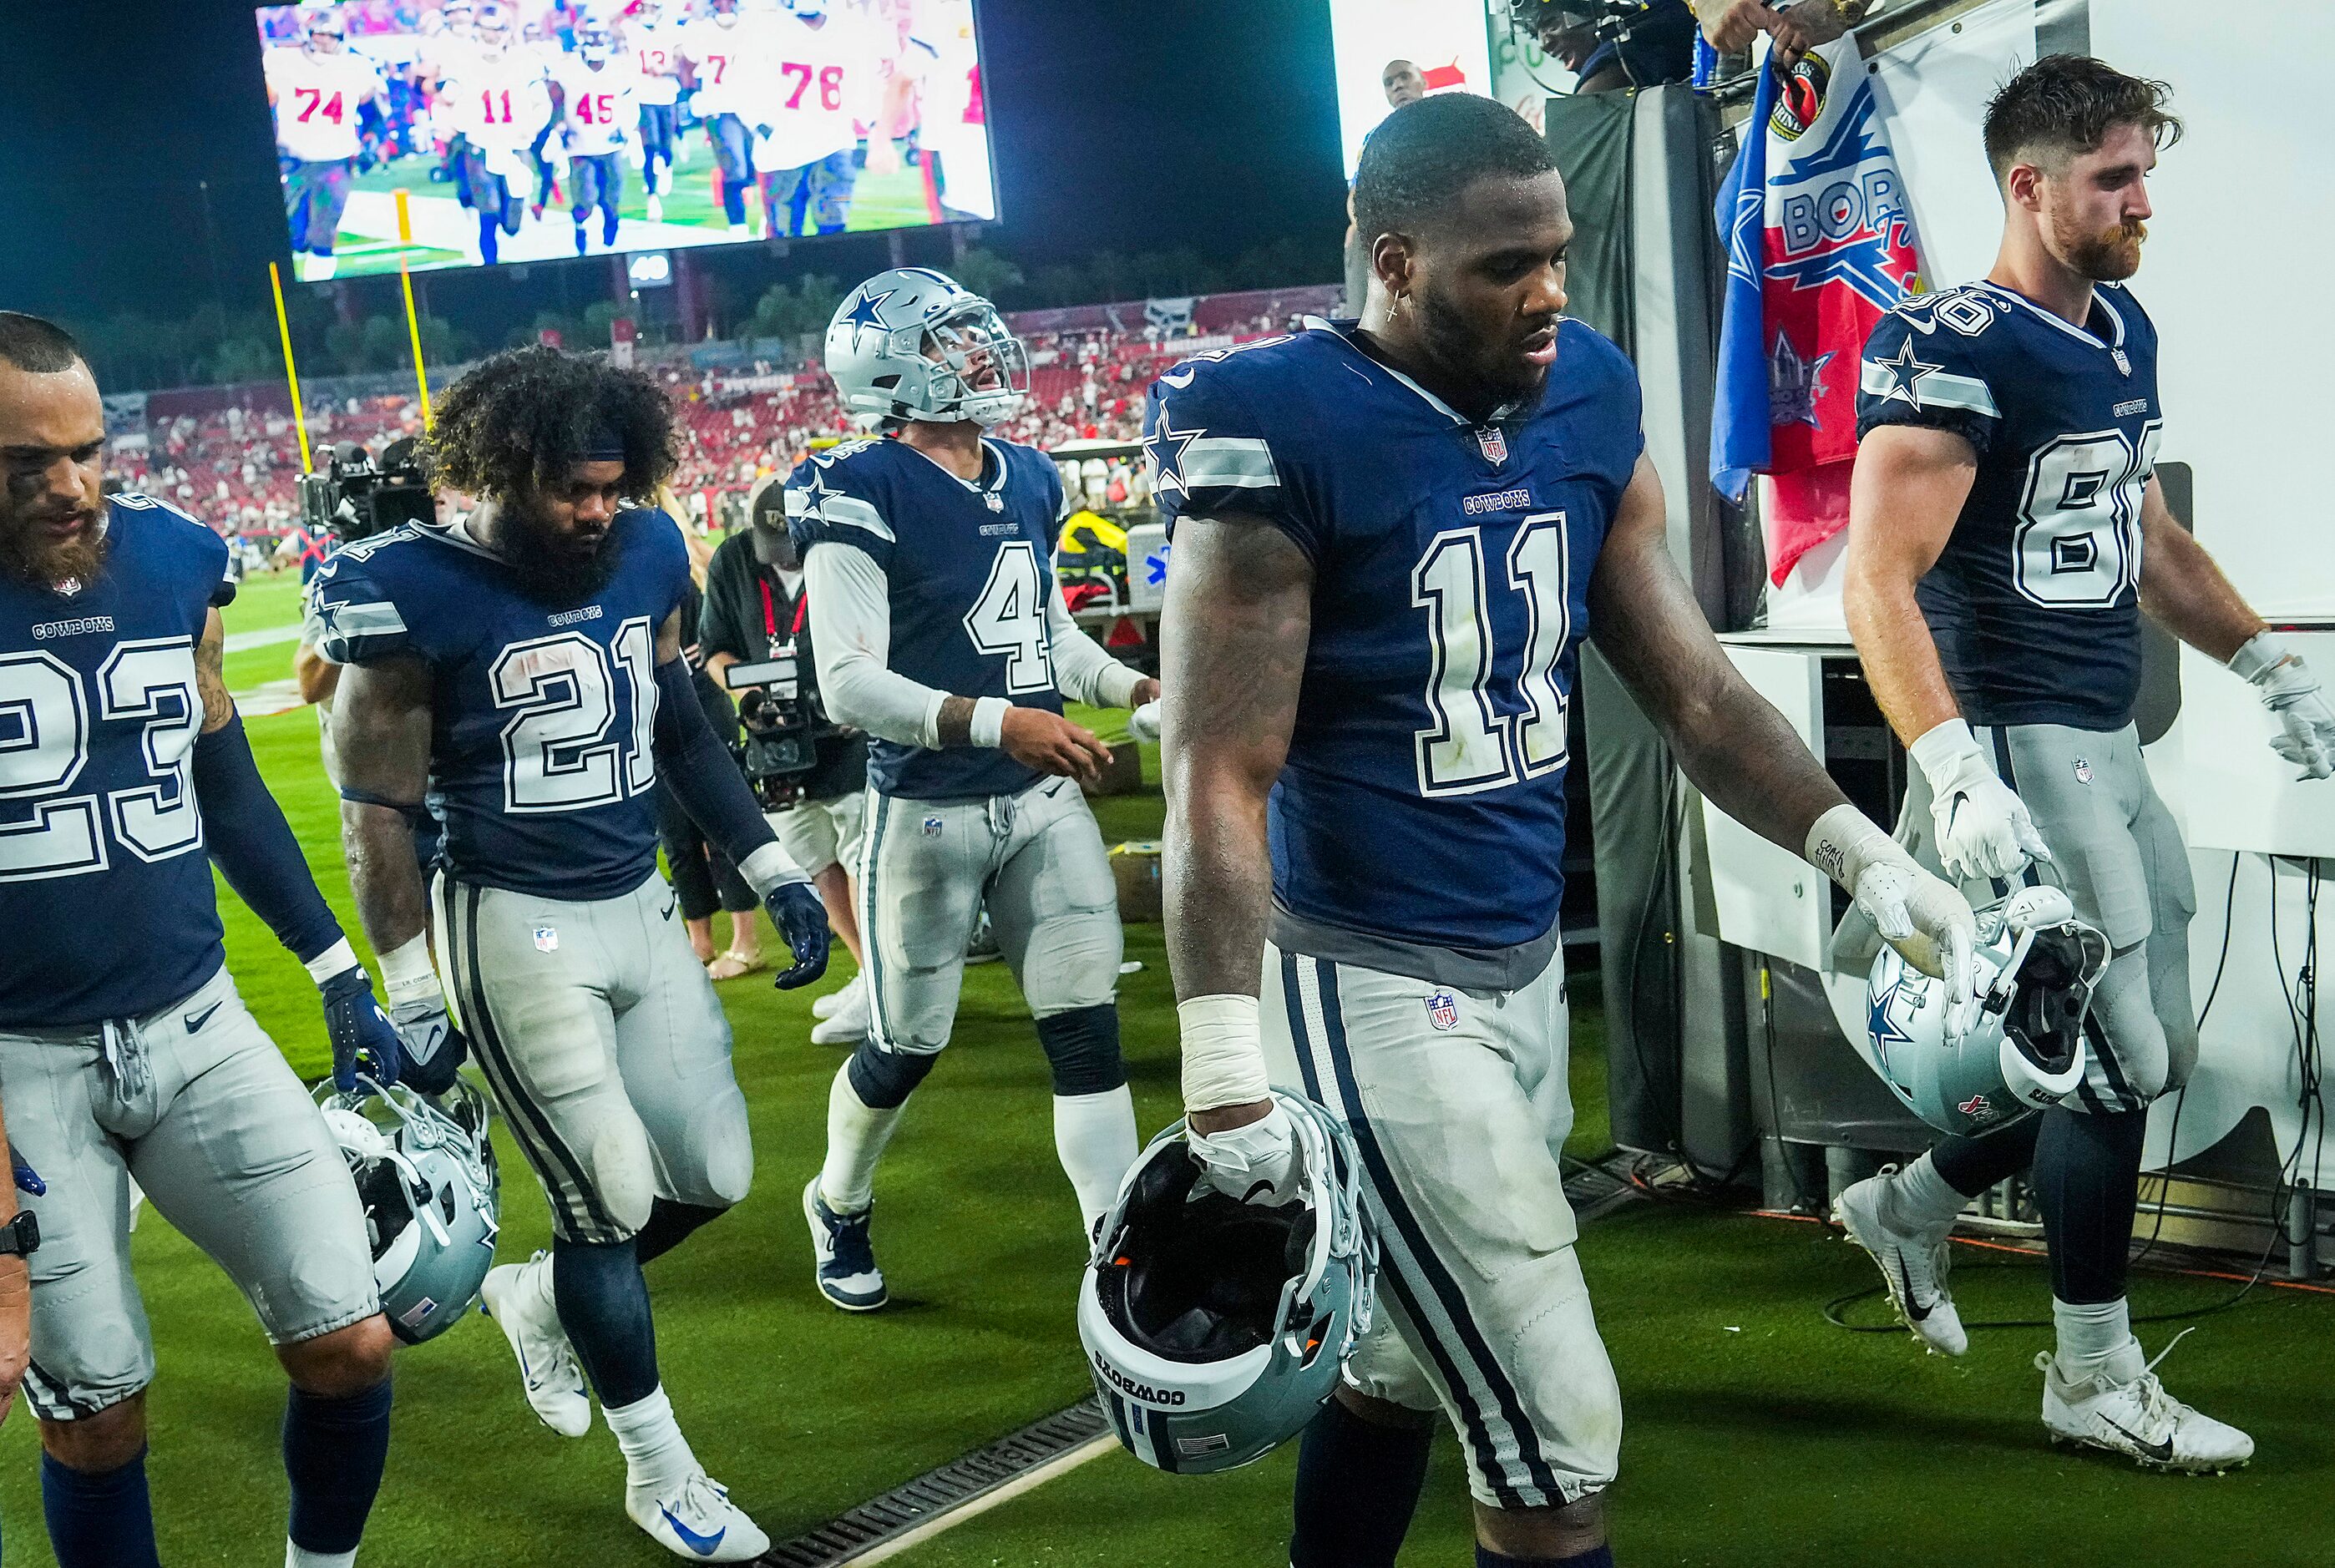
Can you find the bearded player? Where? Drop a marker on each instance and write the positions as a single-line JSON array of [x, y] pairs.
[[2006, 537], [1390, 538], [526, 662], [125, 1052], [940, 631], [318, 91]]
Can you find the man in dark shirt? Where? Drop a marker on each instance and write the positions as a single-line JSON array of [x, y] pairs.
[[753, 608]]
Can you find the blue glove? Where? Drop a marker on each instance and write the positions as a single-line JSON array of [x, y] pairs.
[[435, 1049], [364, 1039], [801, 920]]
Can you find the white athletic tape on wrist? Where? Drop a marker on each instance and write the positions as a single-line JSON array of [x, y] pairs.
[[2259, 656], [1224, 1053], [770, 866], [406, 976], [1845, 841], [337, 959], [988, 725]]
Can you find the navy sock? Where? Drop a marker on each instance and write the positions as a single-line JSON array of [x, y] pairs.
[[1972, 1165], [333, 1452], [671, 1222], [102, 1520], [488, 223], [2087, 1185], [733, 201], [604, 1305], [1595, 1557], [1358, 1484]]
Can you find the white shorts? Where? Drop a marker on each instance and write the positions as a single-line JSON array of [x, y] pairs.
[[926, 869], [1460, 1104], [606, 1050], [196, 1102], [821, 833]]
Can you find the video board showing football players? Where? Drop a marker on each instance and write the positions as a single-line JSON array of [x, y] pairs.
[[532, 129]]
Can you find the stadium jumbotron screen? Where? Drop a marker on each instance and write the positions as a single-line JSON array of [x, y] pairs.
[[532, 132]]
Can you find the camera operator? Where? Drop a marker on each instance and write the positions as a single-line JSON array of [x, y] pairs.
[[703, 879], [753, 609], [354, 499], [1613, 43]]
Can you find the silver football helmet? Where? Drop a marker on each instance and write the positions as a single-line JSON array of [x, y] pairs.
[[432, 1199], [1216, 1329], [912, 344], [2036, 967]]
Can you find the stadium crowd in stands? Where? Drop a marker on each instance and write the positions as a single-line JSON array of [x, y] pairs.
[[236, 462]]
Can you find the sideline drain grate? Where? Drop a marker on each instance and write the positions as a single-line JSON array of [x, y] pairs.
[[937, 1491]]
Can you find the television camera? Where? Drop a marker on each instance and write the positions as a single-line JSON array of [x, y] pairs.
[[358, 495]]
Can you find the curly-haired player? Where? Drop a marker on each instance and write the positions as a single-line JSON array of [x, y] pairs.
[[528, 661]]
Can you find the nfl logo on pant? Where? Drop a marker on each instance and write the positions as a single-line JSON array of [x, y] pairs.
[[547, 939], [1443, 1010]]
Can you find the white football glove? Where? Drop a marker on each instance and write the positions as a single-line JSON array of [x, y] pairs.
[[1256, 1163], [1923, 917], [1983, 829], [1143, 723], [2291, 694]]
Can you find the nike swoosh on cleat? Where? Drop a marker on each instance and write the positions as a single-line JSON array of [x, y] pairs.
[[194, 1020], [1917, 1313], [702, 1545], [2161, 1450]]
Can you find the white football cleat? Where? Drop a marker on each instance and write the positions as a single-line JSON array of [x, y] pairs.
[[843, 1260], [656, 207], [556, 1389], [1915, 1263], [825, 1006], [697, 1520], [2135, 1417], [848, 1024]]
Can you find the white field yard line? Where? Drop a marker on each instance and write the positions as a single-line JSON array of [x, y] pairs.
[[1061, 1464]]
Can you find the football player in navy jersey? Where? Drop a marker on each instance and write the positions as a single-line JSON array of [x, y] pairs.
[[528, 663], [2006, 536], [941, 632], [1390, 538], [124, 1050]]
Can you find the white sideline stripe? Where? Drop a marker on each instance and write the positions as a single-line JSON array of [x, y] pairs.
[[1061, 1464], [266, 636]]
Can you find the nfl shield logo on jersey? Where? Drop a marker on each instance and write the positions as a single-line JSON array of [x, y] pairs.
[[2123, 362], [1443, 1011], [1494, 443], [547, 939]]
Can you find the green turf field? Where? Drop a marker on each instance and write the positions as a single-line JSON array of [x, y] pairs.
[[1758, 1434], [894, 200]]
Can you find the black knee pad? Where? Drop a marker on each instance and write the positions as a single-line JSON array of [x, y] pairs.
[[883, 1079], [1082, 1045]]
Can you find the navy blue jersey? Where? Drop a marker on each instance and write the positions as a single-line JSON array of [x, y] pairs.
[[971, 570], [2035, 601], [105, 891], [1423, 799], [541, 717]]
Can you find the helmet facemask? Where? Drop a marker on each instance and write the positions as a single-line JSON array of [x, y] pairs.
[[2045, 991], [981, 370]]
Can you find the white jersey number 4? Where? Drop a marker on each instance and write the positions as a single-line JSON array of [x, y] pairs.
[[1009, 618]]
